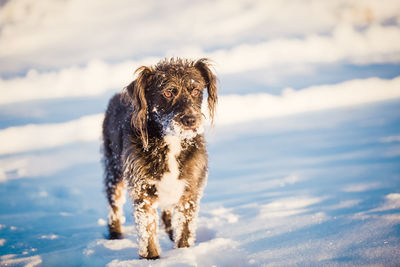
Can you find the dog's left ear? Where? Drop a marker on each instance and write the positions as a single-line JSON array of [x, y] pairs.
[[203, 66]]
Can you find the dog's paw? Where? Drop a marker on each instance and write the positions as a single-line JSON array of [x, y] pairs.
[[115, 235], [183, 243], [150, 257]]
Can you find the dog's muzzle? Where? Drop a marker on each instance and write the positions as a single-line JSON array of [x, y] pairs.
[[186, 126], [189, 122]]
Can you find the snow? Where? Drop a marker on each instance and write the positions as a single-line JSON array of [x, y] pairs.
[[24, 138], [240, 28], [304, 154], [8, 260], [314, 98], [282, 191], [361, 187], [230, 111], [51, 237]]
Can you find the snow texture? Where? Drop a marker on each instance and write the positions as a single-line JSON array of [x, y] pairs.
[[282, 192]]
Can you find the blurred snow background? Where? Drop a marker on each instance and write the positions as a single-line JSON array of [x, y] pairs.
[[304, 157]]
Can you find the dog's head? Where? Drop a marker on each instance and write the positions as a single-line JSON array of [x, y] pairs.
[[171, 93]]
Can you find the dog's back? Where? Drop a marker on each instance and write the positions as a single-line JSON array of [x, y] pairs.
[[116, 120]]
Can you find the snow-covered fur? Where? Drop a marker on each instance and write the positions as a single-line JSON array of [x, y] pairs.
[[154, 144]]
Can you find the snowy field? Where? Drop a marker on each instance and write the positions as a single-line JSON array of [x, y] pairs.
[[304, 155]]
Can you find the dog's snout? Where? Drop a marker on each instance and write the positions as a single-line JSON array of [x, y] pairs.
[[188, 120]]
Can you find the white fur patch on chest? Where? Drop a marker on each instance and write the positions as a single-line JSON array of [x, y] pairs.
[[170, 189]]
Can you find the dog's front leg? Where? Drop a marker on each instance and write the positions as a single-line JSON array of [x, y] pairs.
[[184, 222], [146, 218]]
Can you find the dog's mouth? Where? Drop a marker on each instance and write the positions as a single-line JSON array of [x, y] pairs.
[[190, 128], [184, 126], [178, 128]]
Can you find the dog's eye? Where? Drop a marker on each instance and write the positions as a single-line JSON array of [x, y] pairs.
[[168, 93], [195, 92]]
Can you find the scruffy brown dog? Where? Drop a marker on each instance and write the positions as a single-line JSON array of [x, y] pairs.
[[154, 144]]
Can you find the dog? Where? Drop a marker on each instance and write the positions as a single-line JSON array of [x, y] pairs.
[[153, 144]]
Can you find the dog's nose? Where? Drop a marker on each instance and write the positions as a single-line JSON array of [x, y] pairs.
[[188, 121]]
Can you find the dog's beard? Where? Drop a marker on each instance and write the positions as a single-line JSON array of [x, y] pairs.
[[171, 127], [176, 129]]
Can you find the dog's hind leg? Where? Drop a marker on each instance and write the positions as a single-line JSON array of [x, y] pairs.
[[166, 218], [114, 188], [116, 195]]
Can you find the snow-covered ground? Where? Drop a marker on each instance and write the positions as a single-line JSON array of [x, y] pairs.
[[311, 189], [304, 154]]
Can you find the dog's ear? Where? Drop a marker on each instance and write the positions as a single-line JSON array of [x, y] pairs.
[[136, 94], [203, 66]]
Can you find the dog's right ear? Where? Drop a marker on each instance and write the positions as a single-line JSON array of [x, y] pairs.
[[136, 94], [203, 66]]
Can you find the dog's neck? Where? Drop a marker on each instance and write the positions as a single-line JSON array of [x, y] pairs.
[[155, 129]]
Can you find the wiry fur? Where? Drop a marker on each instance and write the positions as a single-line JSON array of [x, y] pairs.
[[154, 144]]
